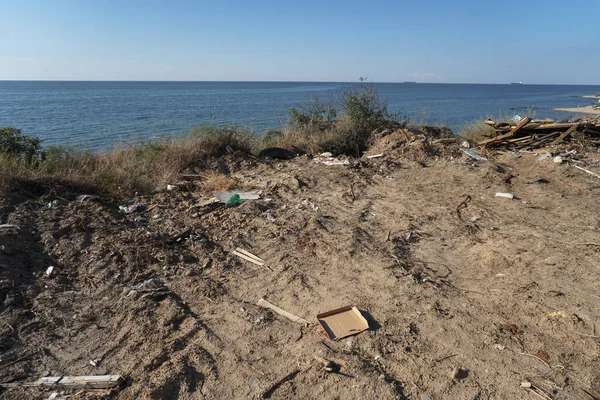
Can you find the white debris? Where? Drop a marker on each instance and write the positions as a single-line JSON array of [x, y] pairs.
[[505, 195], [544, 156]]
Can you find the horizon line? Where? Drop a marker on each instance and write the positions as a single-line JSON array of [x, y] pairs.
[[291, 81]]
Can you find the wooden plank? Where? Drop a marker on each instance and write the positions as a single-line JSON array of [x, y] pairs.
[[512, 132], [240, 250], [245, 257], [82, 382], [564, 135], [291, 317]]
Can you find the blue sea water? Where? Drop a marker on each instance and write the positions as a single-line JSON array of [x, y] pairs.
[[95, 115]]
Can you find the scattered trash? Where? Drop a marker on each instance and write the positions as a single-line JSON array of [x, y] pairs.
[[465, 144], [588, 171], [536, 180], [133, 208], [342, 322], [152, 288], [51, 272], [82, 197], [326, 154], [328, 366], [505, 195], [517, 118], [331, 161], [249, 256], [310, 204], [544, 156], [264, 303], [533, 388], [474, 155], [96, 362], [234, 201], [172, 187], [80, 382], [270, 217], [224, 197], [558, 160], [376, 156]]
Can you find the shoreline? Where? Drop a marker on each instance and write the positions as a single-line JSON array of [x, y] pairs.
[[590, 96], [580, 110]]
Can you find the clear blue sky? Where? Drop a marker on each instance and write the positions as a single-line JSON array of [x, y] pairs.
[[478, 41]]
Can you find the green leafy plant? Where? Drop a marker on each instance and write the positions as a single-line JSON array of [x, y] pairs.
[[14, 143]]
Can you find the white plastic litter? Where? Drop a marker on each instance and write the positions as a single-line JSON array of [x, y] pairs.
[[505, 195]]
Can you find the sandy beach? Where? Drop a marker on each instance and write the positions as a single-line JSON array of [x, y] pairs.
[[581, 110], [590, 97]]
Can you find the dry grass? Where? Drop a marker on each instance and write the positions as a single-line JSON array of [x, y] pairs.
[[214, 181], [477, 131], [130, 168]]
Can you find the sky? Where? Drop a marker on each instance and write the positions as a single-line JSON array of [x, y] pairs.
[[460, 41]]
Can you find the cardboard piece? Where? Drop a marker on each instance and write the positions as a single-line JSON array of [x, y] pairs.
[[342, 322]]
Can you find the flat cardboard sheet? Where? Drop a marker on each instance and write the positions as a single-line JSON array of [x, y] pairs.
[[342, 322]]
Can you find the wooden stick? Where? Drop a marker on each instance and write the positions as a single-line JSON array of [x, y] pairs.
[[245, 257], [512, 132], [564, 135], [291, 317], [240, 250], [74, 382], [588, 171]]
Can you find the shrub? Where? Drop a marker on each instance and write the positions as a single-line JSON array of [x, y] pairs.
[[13, 143], [314, 112], [217, 141], [318, 126]]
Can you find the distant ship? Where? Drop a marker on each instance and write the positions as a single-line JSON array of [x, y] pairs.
[[516, 83], [409, 82]]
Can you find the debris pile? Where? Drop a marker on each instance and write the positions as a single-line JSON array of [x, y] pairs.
[[528, 133]]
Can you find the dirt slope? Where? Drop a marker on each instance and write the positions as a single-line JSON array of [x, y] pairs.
[[507, 290]]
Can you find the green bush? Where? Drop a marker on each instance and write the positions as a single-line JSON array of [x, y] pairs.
[[318, 126], [13, 143], [314, 112]]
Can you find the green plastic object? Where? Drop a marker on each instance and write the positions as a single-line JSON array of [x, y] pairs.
[[234, 201]]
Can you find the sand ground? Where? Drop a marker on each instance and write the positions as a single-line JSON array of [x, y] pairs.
[[468, 295]]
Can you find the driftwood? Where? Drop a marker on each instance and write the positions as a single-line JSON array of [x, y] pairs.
[[291, 317], [74, 382], [510, 134], [533, 134]]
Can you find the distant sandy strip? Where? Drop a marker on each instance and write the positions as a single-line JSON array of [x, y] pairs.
[[581, 110], [590, 97]]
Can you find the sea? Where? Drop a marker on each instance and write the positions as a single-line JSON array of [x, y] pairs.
[[96, 115]]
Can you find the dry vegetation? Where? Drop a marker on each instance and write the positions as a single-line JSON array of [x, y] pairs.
[[314, 127]]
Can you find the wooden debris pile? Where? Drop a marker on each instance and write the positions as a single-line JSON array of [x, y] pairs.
[[530, 133]]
